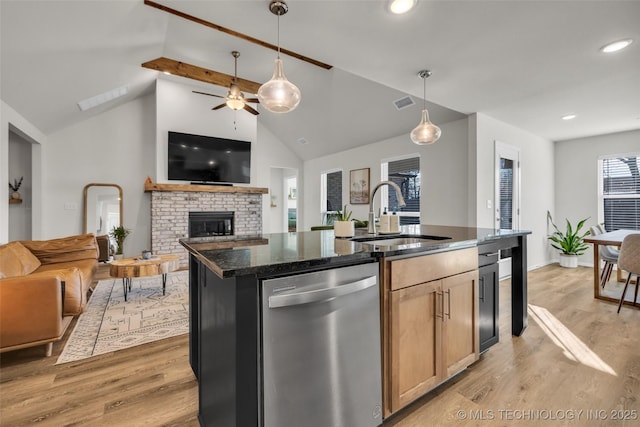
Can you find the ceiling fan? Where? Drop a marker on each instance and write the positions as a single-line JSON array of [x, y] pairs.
[[234, 99]]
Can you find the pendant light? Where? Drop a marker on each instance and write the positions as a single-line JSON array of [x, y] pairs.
[[426, 132], [279, 95]]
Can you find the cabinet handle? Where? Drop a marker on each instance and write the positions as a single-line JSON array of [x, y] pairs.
[[482, 289], [441, 296], [448, 291], [491, 254]]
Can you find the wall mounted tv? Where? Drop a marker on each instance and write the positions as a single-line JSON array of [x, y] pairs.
[[208, 159]]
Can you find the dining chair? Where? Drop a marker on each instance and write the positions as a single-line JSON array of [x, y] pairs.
[[629, 261], [609, 254]]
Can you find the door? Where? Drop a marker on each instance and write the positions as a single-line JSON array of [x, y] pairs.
[[281, 214], [507, 196], [460, 318], [415, 340]]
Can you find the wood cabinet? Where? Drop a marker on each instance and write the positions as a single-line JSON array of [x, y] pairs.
[[430, 322]]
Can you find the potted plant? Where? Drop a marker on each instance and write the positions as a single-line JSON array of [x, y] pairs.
[[119, 234], [342, 225], [570, 242]]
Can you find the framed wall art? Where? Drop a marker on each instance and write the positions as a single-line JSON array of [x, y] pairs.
[[359, 186]]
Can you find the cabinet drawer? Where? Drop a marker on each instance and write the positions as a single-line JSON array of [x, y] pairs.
[[412, 271], [488, 254]]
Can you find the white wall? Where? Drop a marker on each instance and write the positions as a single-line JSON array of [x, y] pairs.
[[116, 147], [576, 172], [181, 110], [444, 176], [537, 181]]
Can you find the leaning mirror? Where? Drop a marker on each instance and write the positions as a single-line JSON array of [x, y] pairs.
[[102, 208]]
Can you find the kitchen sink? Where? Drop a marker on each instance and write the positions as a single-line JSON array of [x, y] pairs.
[[398, 239]]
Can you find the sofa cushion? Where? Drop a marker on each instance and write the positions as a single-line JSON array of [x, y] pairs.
[[77, 276], [64, 249], [16, 260]]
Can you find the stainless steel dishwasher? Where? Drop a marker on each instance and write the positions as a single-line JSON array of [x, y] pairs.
[[321, 349]]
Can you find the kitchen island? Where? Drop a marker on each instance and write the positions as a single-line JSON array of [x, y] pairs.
[[226, 274]]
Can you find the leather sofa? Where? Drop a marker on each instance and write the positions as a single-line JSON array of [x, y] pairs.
[[43, 284]]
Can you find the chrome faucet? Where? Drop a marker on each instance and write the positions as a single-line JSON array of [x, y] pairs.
[[372, 217]]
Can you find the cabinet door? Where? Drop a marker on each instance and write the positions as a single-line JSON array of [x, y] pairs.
[[488, 293], [460, 332], [415, 338]]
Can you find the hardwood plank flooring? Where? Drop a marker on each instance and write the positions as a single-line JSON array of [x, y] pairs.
[[578, 363]]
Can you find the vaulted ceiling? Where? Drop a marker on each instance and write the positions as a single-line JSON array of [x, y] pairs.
[[527, 63]]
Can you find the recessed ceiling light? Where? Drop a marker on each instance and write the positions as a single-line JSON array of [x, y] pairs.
[[399, 7], [616, 46], [569, 117]]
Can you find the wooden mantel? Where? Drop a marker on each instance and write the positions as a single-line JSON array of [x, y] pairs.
[[152, 186]]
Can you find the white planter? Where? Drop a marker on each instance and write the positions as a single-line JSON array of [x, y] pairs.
[[344, 228], [569, 261]]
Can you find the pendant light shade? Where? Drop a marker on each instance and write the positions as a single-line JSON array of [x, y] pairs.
[[426, 132], [279, 95]]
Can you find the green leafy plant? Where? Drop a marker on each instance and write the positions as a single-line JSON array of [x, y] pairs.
[[569, 242], [343, 215], [119, 234]]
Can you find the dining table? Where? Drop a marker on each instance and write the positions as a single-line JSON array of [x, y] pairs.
[[610, 238]]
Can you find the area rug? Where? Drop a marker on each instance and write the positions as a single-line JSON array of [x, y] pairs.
[[110, 323]]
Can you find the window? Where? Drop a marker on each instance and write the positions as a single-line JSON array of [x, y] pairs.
[[406, 173], [331, 194], [620, 192]]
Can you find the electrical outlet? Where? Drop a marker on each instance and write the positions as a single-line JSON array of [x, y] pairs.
[[489, 204], [70, 206]]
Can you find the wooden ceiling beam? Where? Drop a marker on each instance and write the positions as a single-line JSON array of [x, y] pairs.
[[194, 72], [237, 34]]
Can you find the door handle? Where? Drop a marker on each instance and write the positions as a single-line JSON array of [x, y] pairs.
[[482, 289], [324, 294]]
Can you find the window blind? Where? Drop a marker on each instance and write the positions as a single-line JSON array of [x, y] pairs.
[[621, 192], [405, 173]]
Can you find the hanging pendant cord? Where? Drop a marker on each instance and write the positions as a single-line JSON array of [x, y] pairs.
[[424, 93], [278, 35]]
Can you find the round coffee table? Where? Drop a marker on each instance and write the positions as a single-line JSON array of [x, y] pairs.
[[128, 268]]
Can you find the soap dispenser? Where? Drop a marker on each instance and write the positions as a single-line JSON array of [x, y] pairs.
[[385, 225], [394, 223]]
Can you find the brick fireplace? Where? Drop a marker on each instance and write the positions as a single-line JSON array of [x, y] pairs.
[[172, 203]]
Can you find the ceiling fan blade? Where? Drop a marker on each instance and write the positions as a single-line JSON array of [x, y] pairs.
[[254, 100], [251, 110], [219, 106], [204, 93]]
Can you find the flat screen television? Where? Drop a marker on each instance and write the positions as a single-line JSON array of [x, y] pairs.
[[208, 159]]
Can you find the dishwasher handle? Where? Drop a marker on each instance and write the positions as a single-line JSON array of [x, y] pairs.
[[276, 301]]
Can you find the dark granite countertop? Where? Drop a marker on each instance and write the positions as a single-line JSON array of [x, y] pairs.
[[278, 253]]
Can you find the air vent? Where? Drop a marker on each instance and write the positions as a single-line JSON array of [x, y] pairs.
[[403, 103]]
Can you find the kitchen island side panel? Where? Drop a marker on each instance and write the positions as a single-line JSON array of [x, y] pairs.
[[228, 350]]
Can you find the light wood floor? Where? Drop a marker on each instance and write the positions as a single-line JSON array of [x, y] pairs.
[[576, 355]]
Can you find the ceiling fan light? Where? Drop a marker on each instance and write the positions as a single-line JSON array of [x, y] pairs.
[[426, 132], [235, 104], [399, 7], [279, 95]]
